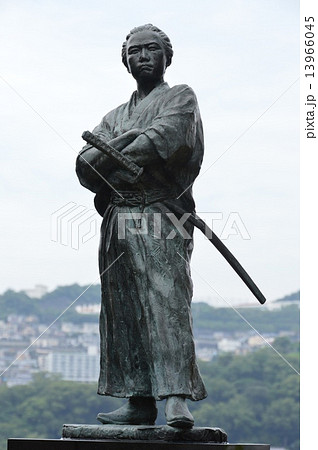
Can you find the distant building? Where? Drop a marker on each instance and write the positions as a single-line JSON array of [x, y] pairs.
[[21, 371], [72, 365], [281, 304], [271, 305], [259, 341], [37, 292], [88, 309], [278, 448], [228, 345], [206, 353]]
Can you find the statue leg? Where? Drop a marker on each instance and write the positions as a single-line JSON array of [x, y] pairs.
[[177, 412], [137, 411]]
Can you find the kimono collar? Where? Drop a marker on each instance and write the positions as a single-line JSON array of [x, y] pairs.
[[137, 107]]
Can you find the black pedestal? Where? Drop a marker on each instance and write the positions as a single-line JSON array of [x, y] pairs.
[[74, 444], [133, 437]]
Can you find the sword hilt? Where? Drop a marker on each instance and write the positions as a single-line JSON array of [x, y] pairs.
[[121, 160]]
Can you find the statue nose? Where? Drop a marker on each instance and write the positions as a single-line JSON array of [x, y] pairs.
[[144, 55]]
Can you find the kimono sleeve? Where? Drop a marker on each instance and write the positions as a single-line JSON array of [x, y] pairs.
[[173, 131], [88, 175]]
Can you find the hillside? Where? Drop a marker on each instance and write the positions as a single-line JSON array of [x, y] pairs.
[[291, 297], [51, 305]]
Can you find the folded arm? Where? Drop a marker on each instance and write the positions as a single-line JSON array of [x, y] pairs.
[[92, 166]]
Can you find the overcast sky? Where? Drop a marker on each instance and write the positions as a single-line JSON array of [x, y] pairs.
[[62, 71]]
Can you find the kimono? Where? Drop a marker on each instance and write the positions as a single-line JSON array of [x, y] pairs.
[[146, 339]]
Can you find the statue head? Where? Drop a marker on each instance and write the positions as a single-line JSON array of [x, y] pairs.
[[165, 42]]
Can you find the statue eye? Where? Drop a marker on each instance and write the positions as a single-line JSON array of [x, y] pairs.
[[133, 50], [153, 48]]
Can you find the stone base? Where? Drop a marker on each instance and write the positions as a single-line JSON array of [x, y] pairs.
[[133, 437], [77, 444], [144, 433]]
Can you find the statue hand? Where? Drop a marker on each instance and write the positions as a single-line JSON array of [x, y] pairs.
[[125, 139]]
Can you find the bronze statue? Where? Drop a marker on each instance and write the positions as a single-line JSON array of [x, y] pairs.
[[141, 162], [147, 347]]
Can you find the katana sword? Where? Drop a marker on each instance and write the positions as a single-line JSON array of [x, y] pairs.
[[225, 252], [126, 163]]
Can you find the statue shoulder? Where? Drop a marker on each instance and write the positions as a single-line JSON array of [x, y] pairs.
[[112, 115], [182, 96], [185, 92], [183, 89]]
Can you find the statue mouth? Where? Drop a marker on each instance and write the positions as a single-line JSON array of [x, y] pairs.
[[145, 67]]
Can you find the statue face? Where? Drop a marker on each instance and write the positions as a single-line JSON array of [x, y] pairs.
[[146, 57]]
